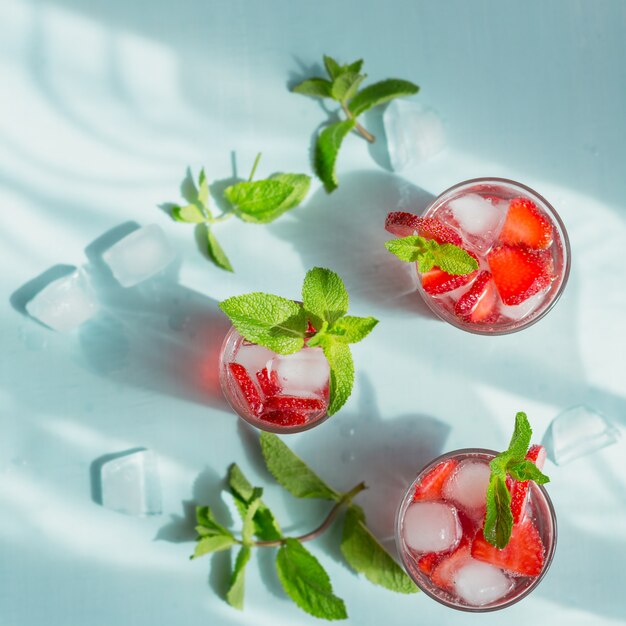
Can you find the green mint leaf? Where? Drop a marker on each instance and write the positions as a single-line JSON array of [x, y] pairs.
[[332, 67], [527, 470], [351, 329], [315, 87], [428, 253], [341, 372], [306, 582], [203, 189], [300, 183], [248, 521], [257, 201], [234, 595], [292, 472], [326, 151], [381, 92], [346, 85], [266, 526], [498, 518], [207, 521], [324, 295], [271, 321], [355, 67], [407, 249], [190, 214], [520, 441], [213, 543], [216, 252], [454, 260], [367, 556]]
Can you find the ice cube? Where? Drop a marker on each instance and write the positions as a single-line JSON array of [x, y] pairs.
[[254, 358], [65, 303], [130, 483], [139, 256], [480, 583], [431, 527], [303, 374], [468, 486], [521, 311], [578, 431], [479, 219], [414, 133]]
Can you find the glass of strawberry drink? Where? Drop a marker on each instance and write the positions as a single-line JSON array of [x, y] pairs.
[[519, 242], [441, 533]]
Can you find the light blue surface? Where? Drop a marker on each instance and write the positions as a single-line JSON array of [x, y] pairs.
[[104, 104]]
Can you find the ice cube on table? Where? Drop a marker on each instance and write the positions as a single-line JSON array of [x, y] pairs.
[[130, 483], [65, 303], [521, 311], [139, 256], [480, 583], [431, 527], [414, 133], [578, 431], [303, 374], [467, 486], [253, 357], [479, 219]]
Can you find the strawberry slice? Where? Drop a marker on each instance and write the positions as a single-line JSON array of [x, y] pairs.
[[285, 417], [526, 224], [520, 272], [479, 303], [268, 382], [523, 555], [431, 485], [404, 224], [247, 386], [294, 403], [427, 563], [443, 573], [436, 281], [519, 489]]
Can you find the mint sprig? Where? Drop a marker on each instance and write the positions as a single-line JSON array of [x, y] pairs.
[[257, 202], [343, 85], [499, 518], [282, 326], [428, 254], [302, 576]]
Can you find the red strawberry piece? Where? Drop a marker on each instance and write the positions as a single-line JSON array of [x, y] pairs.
[[427, 563], [479, 303], [268, 382], [285, 417], [523, 555], [436, 281], [294, 403], [247, 386], [526, 224], [519, 489], [444, 571], [309, 327], [519, 272], [431, 485], [404, 224]]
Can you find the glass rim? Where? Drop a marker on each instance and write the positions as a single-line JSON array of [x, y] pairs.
[[442, 197], [471, 609]]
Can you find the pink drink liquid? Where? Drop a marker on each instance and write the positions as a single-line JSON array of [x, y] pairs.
[[274, 392], [440, 541]]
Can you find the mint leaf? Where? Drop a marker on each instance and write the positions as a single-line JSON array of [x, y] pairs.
[[234, 595], [271, 321], [341, 372], [316, 87], [454, 260], [216, 252], [306, 582], [351, 329], [248, 521], [354, 67], [381, 92], [326, 151], [527, 470], [190, 214], [324, 294], [518, 446], [332, 67], [498, 518], [256, 201], [213, 543], [428, 253], [203, 189], [300, 183], [207, 524], [346, 85], [292, 472], [367, 556]]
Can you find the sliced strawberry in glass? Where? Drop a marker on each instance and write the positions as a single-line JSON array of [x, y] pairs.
[[247, 387], [520, 489], [431, 486], [526, 224], [285, 417], [404, 224], [268, 382], [480, 303], [294, 403]]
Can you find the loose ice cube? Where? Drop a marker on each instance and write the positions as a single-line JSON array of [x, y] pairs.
[[139, 256], [65, 303], [468, 486], [480, 583], [521, 311], [303, 374], [431, 527], [578, 431], [130, 484], [254, 358], [478, 218], [414, 133]]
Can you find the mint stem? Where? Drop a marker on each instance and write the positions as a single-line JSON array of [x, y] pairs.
[[359, 129], [256, 162], [221, 218], [330, 518]]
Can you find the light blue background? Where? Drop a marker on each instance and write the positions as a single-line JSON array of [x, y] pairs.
[[102, 107]]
